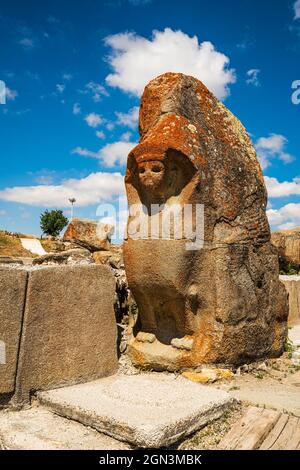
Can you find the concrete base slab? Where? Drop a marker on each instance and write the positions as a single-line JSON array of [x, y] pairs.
[[146, 410], [39, 429]]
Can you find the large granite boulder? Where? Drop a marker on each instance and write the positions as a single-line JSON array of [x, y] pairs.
[[288, 244], [209, 293], [89, 234]]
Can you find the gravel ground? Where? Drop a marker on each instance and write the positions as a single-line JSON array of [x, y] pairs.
[[126, 367], [209, 437], [278, 376]]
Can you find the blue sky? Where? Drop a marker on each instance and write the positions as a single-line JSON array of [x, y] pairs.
[[74, 72]]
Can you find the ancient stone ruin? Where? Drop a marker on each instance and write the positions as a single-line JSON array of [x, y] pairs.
[[288, 244], [89, 234], [292, 285], [217, 303], [58, 328]]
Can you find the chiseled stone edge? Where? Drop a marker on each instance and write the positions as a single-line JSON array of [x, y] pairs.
[[151, 436]]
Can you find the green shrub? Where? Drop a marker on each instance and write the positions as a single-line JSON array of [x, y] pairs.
[[289, 270], [52, 222]]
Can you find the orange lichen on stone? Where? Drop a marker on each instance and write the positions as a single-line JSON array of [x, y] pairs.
[[170, 132], [222, 303]]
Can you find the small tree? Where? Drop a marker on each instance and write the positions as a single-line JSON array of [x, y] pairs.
[[52, 222]]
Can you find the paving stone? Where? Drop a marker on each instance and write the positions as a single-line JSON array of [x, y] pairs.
[[146, 410], [39, 429]]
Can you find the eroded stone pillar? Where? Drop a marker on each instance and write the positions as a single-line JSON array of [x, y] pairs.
[[206, 283]]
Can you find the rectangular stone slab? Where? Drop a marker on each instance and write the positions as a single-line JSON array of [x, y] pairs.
[[69, 330], [12, 299], [39, 429], [292, 285], [146, 410]]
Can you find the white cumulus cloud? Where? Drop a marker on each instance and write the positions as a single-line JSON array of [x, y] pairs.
[[287, 217], [60, 87], [67, 76], [100, 134], [129, 119], [111, 154], [126, 136], [253, 77], [93, 119], [27, 43], [96, 90], [76, 108], [135, 60], [10, 94], [282, 189], [272, 147], [93, 189], [297, 10], [115, 153]]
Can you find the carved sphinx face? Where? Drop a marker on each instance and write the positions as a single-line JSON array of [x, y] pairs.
[[159, 179], [151, 176]]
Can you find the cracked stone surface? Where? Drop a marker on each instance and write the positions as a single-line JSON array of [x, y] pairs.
[[39, 429], [222, 296], [146, 410]]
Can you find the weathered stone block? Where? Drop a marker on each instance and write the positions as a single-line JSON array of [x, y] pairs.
[[146, 410], [69, 328], [38, 429], [12, 298], [292, 285], [73, 256], [90, 234], [288, 244]]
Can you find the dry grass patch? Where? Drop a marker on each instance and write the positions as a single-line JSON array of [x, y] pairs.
[[11, 246]]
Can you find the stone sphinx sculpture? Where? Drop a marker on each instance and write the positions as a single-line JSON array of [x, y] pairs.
[[209, 298]]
